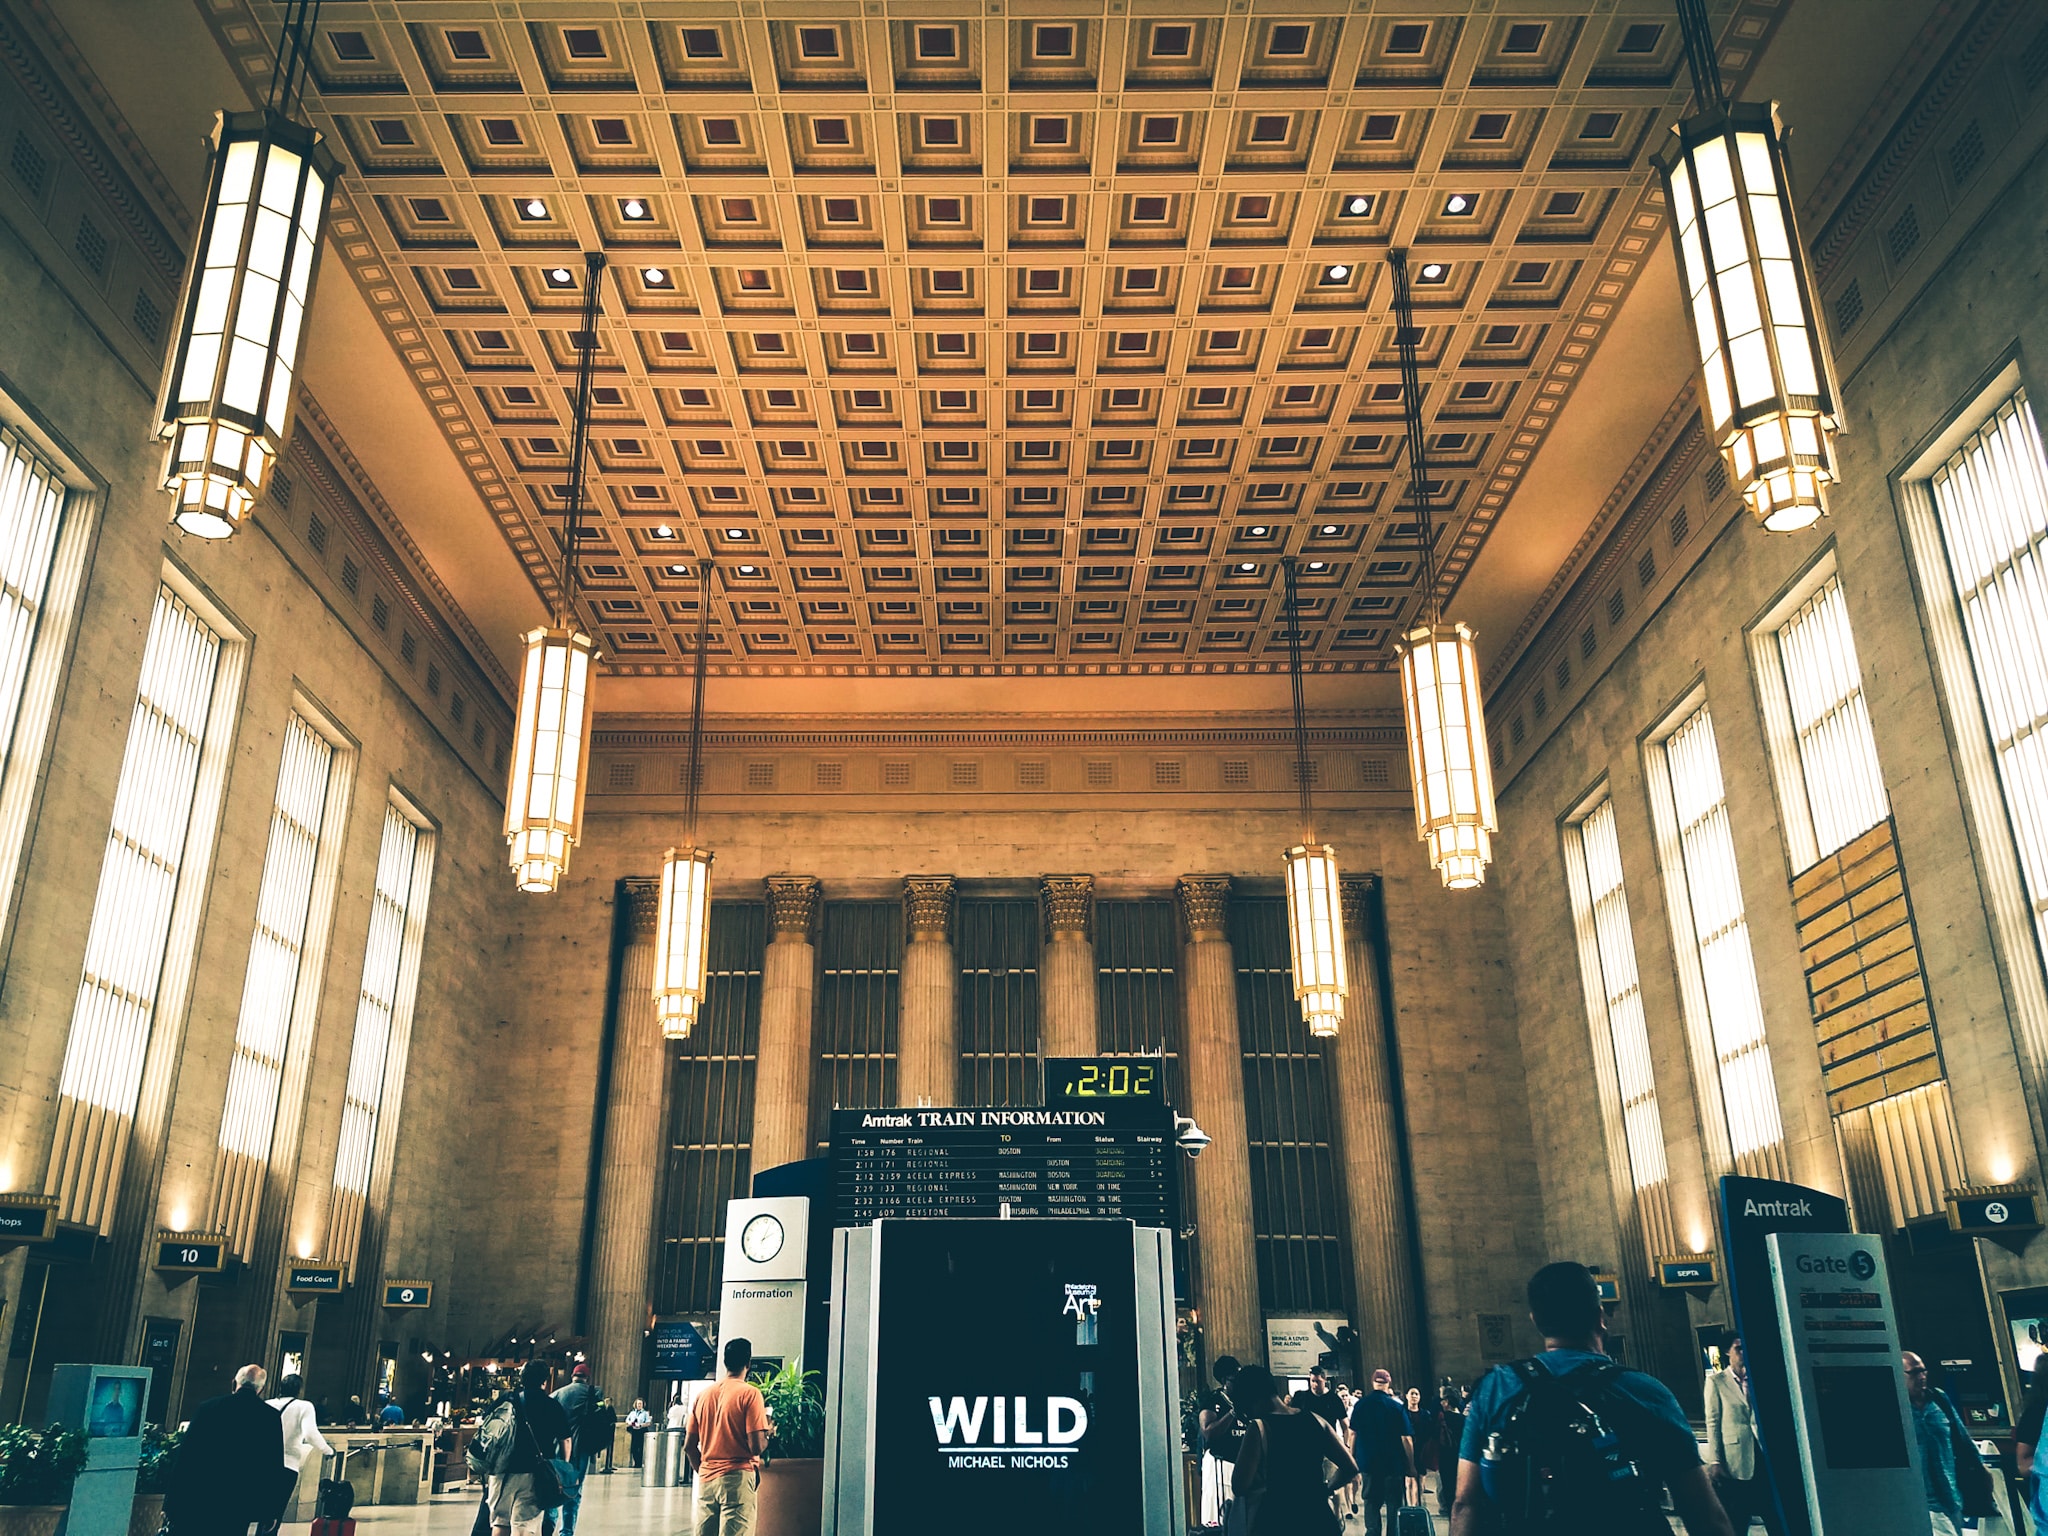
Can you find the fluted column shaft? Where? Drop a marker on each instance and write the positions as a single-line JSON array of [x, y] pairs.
[[1066, 970], [782, 1064], [1367, 1115], [1212, 1068], [927, 1025], [630, 1166]]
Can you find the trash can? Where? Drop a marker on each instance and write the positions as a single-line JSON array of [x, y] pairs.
[[662, 1459]]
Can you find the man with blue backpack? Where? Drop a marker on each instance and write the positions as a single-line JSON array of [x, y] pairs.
[[1569, 1443]]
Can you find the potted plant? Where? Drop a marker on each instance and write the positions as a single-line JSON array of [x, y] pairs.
[[793, 1471], [37, 1468], [153, 1479]]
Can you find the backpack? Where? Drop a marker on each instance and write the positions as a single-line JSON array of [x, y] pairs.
[[1558, 1464], [491, 1448]]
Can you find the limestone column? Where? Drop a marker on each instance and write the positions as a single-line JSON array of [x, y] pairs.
[[1365, 1106], [927, 1027], [629, 1171], [1212, 1070], [782, 1062], [1066, 970]]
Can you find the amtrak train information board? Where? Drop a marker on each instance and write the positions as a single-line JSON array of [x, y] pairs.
[[1110, 1157]]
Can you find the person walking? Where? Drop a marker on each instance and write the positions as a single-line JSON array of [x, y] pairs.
[[1427, 1427], [526, 1490], [1605, 1437], [1319, 1400], [1221, 1433], [728, 1433], [1450, 1410], [1731, 1443], [1943, 1440], [638, 1422], [578, 1402], [1278, 1478], [1385, 1442], [301, 1430], [229, 1471]]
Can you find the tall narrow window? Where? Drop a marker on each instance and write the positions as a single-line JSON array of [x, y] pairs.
[[391, 973], [271, 994], [1723, 1007], [1614, 1006], [1841, 784], [997, 946], [126, 945], [31, 512], [860, 982], [1991, 503]]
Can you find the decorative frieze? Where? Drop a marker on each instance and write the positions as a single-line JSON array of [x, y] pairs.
[[643, 908]]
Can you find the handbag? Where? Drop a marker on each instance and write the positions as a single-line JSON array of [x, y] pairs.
[[1973, 1478]]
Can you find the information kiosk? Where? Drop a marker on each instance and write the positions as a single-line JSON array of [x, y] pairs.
[[1002, 1353]]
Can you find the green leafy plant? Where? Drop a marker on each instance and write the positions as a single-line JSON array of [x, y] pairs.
[[796, 1406], [38, 1466], [159, 1458]]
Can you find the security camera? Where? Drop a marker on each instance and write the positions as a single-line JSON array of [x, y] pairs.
[[1188, 1136]]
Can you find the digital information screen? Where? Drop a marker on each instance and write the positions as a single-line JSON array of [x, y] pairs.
[[1111, 1158], [1007, 1397]]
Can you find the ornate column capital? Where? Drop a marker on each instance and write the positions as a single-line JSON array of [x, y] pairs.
[[1355, 890], [643, 908], [1204, 906], [1068, 905], [928, 909], [792, 906]]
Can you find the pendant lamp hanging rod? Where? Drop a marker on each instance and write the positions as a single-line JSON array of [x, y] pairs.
[[1418, 450], [697, 703], [1291, 567], [289, 72], [579, 440], [1698, 34]]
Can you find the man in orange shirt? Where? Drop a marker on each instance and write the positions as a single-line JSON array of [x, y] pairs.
[[728, 1433]]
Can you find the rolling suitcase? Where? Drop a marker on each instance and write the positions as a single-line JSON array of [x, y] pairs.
[[1413, 1520]]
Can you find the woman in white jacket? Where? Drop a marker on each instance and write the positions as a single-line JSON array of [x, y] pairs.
[[301, 1433]]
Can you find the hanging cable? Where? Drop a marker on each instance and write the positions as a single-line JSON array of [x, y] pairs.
[[696, 769], [579, 441], [1698, 34], [1301, 776], [1420, 486]]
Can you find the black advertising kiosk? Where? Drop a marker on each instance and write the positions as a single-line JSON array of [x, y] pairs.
[[1003, 1356]]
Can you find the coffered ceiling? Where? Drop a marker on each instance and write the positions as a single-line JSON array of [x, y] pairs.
[[1008, 343]]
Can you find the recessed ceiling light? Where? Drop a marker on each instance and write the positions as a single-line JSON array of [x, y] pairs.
[[1247, 567], [656, 277], [1458, 202], [1261, 531], [560, 277], [664, 532], [748, 570], [633, 208], [1433, 271], [738, 535], [678, 570], [1338, 273], [1327, 528], [1358, 203], [534, 208], [1318, 565]]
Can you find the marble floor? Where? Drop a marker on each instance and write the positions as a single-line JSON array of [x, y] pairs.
[[614, 1505]]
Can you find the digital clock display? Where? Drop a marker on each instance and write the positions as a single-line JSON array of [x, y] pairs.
[[1070, 1079]]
